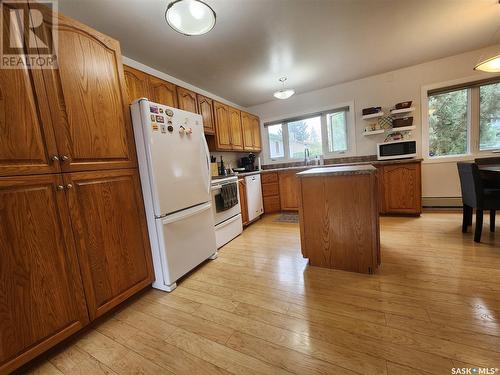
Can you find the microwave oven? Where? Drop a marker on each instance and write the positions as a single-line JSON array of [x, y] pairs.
[[396, 150]]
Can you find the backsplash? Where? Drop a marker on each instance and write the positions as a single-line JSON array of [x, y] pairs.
[[350, 159]]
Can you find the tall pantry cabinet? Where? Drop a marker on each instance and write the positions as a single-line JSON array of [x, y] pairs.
[[73, 232]]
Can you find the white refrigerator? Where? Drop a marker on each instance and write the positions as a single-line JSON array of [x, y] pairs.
[[174, 165]]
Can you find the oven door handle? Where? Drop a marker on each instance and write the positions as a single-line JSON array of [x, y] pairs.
[[216, 187]]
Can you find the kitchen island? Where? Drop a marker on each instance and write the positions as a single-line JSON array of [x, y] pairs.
[[339, 219]]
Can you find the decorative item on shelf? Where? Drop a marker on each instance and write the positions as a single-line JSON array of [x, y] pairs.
[[373, 129], [403, 105], [385, 122], [402, 122], [371, 110]]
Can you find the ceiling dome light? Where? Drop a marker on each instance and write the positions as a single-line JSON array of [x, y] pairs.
[[190, 17], [283, 94], [491, 65]]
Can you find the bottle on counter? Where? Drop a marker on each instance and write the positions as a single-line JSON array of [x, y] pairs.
[[222, 171]]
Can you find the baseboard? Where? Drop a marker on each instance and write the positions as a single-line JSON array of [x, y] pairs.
[[441, 201]]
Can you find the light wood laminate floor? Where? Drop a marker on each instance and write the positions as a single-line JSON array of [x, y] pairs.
[[259, 309]]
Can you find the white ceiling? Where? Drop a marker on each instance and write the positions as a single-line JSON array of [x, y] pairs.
[[315, 43]]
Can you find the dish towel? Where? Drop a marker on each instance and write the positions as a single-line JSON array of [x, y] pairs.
[[227, 198]]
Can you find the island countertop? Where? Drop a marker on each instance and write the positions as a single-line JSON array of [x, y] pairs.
[[344, 170]]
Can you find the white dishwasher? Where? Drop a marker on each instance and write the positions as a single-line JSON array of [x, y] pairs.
[[254, 196]]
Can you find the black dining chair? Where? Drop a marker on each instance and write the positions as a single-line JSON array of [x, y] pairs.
[[474, 195]]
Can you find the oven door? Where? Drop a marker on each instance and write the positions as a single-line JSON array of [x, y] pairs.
[[222, 215]]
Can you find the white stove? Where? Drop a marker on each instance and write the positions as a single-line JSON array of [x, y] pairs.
[[228, 222]]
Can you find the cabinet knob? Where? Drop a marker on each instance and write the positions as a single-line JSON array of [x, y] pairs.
[[64, 158], [54, 158], [59, 187], [69, 186]]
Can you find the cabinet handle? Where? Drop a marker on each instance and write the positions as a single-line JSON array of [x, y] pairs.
[[59, 187], [69, 186], [64, 158], [54, 158]]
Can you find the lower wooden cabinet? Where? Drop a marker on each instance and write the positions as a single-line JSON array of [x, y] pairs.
[[41, 299], [400, 188], [110, 230], [270, 192], [289, 190], [243, 201]]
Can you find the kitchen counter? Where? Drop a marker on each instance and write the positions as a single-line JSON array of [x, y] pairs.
[[339, 218], [303, 167], [338, 171]]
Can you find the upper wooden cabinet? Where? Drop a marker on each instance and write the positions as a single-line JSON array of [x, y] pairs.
[[88, 99], [111, 236], [222, 127], [187, 100], [206, 110], [42, 300], [289, 190], [401, 188], [27, 141], [257, 144], [137, 84], [236, 131], [163, 92], [251, 132]]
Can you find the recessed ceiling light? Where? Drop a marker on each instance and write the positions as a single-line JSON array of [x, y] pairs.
[[491, 65], [283, 94], [190, 17]]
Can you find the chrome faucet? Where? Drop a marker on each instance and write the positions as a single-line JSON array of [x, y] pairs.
[[306, 156]]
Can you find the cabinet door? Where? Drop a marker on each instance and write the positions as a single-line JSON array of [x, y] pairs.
[[243, 200], [236, 133], [257, 145], [109, 224], [222, 126], [246, 126], [27, 142], [402, 188], [381, 190], [41, 299], [187, 100], [163, 92], [206, 110], [137, 84], [289, 191], [88, 99]]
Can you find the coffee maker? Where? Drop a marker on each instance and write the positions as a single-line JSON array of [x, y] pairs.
[[247, 162]]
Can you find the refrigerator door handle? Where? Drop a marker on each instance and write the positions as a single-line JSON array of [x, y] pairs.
[[178, 216], [208, 162]]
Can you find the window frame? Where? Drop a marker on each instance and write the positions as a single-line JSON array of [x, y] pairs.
[[473, 130], [323, 112]]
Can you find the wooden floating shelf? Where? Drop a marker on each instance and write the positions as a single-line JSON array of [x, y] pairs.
[[401, 111], [373, 132], [373, 115], [401, 129]]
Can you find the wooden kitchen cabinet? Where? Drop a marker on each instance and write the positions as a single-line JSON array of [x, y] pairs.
[[289, 190], [186, 100], [137, 84], [243, 200], [109, 224], [401, 188], [206, 110], [222, 127], [88, 99], [42, 300], [270, 192], [236, 132], [163, 92], [250, 125]]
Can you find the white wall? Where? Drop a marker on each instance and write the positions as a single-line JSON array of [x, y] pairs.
[[439, 179]]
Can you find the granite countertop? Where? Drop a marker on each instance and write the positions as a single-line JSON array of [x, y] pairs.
[[302, 167], [338, 171]]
